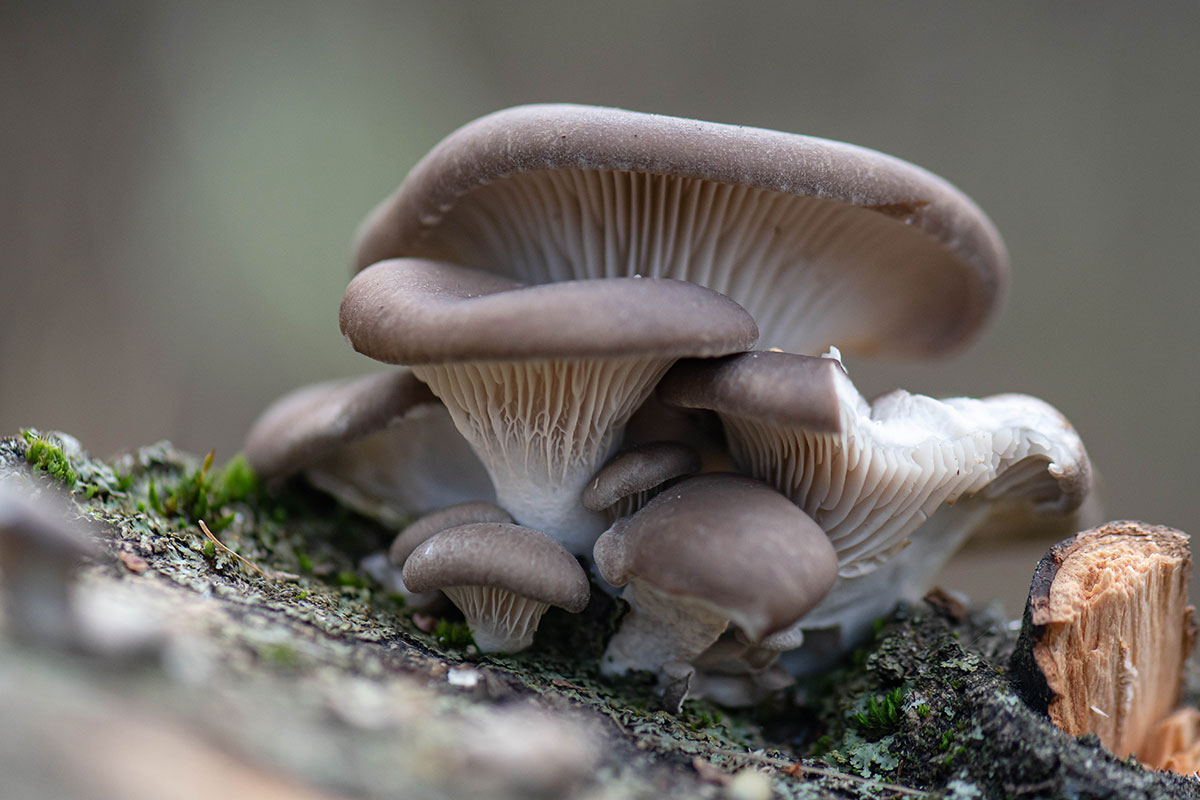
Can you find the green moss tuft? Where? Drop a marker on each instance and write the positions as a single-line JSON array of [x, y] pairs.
[[453, 634], [47, 456], [882, 715]]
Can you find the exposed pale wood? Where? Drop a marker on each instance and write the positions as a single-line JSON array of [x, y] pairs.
[[1109, 628]]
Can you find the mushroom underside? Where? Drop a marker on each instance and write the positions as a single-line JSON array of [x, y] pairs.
[[542, 429], [806, 267]]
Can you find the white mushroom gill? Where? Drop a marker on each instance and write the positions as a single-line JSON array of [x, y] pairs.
[[542, 429], [899, 459], [501, 621], [803, 266]]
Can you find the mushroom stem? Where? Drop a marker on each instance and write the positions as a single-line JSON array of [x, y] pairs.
[[543, 428], [659, 628]]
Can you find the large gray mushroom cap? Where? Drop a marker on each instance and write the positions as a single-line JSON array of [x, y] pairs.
[[503, 577], [823, 242]]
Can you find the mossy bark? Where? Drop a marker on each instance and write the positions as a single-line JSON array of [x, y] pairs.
[[292, 671]]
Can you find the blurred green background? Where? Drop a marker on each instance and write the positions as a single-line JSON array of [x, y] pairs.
[[181, 180]]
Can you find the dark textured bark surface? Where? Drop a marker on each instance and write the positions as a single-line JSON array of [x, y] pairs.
[[297, 677]]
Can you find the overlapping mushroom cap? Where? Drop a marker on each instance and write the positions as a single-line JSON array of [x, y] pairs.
[[873, 475], [539, 379], [712, 550], [823, 242], [382, 443]]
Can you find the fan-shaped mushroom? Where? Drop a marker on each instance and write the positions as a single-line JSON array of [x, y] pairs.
[[383, 444], [539, 379], [823, 242]]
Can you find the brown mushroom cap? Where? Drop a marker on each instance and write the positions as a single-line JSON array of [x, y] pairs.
[[436, 521], [519, 560], [413, 311], [730, 541], [310, 423], [772, 387], [382, 444], [824, 242], [638, 470]]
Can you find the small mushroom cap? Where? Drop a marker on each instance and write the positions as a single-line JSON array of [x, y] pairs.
[[40, 525], [436, 521], [727, 540], [639, 469], [775, 388], [520, 560], [312, 422], [414, 311], [559, 192]]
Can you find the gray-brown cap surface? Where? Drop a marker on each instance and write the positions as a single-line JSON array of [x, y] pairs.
[[518, 559], [437, 521], [383, 444], [776, 388], [414, 311], [823, 242], [639, 471], [731, 541]]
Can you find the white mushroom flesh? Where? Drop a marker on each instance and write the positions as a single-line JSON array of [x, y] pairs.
[[659, 628]]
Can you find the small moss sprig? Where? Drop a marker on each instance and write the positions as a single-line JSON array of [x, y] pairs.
[[205, 491], [882, 714], [453, 634], [47, 456]]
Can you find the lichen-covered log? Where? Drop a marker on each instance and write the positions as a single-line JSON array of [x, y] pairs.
[[1107, 632], [274, 668]]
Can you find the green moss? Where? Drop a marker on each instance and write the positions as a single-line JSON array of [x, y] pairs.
[[882, 714], [46, 456], [455, 635]]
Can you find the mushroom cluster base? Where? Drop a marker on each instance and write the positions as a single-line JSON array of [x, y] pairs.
[[290, 674]]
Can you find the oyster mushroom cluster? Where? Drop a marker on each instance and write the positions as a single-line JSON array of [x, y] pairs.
[[571, 298]]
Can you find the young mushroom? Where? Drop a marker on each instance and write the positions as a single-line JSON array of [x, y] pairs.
[[711, 551], [502, 577], [383, 444], [636, 474], [823, 242], [539, 379], [873, 475], [387, 567], [40, 549]]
